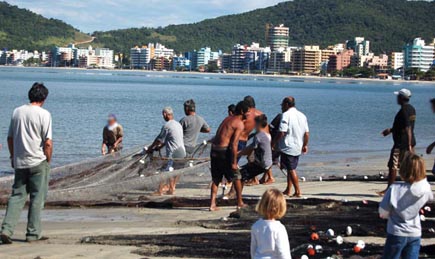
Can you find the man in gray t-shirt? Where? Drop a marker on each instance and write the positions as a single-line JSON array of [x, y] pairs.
[[192, 124], [30, 146]]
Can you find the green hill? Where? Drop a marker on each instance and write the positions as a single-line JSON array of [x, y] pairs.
[[389, 24], [23, 29]]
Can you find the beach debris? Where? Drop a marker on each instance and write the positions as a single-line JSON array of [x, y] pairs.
[[348, 230], [422, 218], [224, 219], [339, 240], [330, 232], [190, 163], [320, 179], [314, 236], [304, 257], [141, 175], [311, 252], [319, 249], [344, 177], [303, 179], [428, 209], [344, 200]]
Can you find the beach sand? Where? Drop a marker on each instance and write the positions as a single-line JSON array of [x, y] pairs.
[[189, 229]]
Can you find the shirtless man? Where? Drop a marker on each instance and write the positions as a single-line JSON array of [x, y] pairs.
[[224, 154], [249, 127]]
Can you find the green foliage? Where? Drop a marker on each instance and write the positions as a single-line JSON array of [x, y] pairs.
[[22, 29], [430, 74], [388, 24], [358, 72]]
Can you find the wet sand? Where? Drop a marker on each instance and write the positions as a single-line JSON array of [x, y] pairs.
[[181, 227]]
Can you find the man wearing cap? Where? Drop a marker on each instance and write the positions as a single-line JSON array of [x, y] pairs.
[[112, 136], [431, 146], [403, 134]]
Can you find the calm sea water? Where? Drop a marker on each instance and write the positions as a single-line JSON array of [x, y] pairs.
[[345, 116]]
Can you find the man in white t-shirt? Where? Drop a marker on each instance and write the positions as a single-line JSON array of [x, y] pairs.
[[292, 141], [31, 146]]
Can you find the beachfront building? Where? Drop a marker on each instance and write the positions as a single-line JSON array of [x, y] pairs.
[[180, 63], [360, 46], [238, 55], [280, 60], [226, 61], [257, 57], [307, 60], [396, 60], [159, 50], [418, 55], [161, 63], [377, 62], [277, 36], [140, 58], [340, 61], [62, 56], [105, 57]]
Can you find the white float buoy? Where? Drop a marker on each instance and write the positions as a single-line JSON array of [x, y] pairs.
[[344, 177], [330, 232], [428, 209], [310, 247], [320, 178], [318, 248], [422, 218], [303, 179], [361, 244], [348, 230], [366, 177], [339, 240], [171, 169], [305, 257]]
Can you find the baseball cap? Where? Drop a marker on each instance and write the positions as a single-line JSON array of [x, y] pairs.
[[404, 92], [112, 116]]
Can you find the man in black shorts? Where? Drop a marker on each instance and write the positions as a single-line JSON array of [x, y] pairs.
[[224, 154], [403, 135]]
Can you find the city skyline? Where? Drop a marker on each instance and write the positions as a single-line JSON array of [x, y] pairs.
[[96, 15]]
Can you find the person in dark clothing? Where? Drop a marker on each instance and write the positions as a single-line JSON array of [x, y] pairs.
[[403, 135], [431, 146]]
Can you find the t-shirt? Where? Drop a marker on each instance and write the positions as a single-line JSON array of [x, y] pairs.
[[269, 240], [30, 127], [401, 205], [262, 149], [172, 136], [111, 136], [294, 124], [192, 126], [404, 118]]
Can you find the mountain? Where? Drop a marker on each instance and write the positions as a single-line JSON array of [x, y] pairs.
[[23, 29], [388, 24]]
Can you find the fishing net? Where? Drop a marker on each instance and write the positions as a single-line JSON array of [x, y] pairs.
[[116, 176]]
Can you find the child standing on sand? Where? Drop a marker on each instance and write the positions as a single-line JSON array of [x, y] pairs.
[[401, 206], [269, 239]]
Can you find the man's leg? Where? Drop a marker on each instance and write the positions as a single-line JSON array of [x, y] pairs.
[[15, 203], [295, 180], [393, 165], [213, 194], [238, 186], [172, 184], [38, 188]]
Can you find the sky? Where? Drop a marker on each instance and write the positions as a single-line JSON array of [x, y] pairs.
[[101, 15]]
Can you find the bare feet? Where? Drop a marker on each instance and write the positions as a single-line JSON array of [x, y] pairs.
[[297, 195], [286, 192], [253, 181], [213, 208], [269, 181], [241, 206]]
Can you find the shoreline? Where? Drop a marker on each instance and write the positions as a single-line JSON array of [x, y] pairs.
[[282, 76]]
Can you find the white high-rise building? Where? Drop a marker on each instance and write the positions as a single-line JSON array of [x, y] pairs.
[[105, 57], [418, 55], [396, 60], [140, 57]]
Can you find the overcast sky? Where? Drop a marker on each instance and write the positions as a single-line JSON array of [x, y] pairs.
[[92, 15]]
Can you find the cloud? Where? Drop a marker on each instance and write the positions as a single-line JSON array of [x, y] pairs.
[[93, 15]]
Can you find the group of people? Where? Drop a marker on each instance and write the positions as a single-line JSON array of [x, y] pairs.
[[286, 137], [290, 140]]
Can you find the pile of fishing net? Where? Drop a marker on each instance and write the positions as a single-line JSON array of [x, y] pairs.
[[112, 177]]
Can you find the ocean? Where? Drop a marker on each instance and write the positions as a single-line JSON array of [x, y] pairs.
[[345, 117]]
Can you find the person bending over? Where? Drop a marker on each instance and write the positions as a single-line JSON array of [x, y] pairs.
[[112, 136]]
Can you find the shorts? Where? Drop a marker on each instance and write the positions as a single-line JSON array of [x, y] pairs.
[[289, 162], [275, 157], [251, 170], [396, 157], [221, 165], [242, 145]]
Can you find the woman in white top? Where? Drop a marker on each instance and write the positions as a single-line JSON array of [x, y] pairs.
[[269, 239]]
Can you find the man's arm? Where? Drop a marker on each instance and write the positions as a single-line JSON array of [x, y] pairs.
[[48, 149], [409, 133], [234, 145], [430, 148], [11, 150], [306, 140], [119, 140]]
